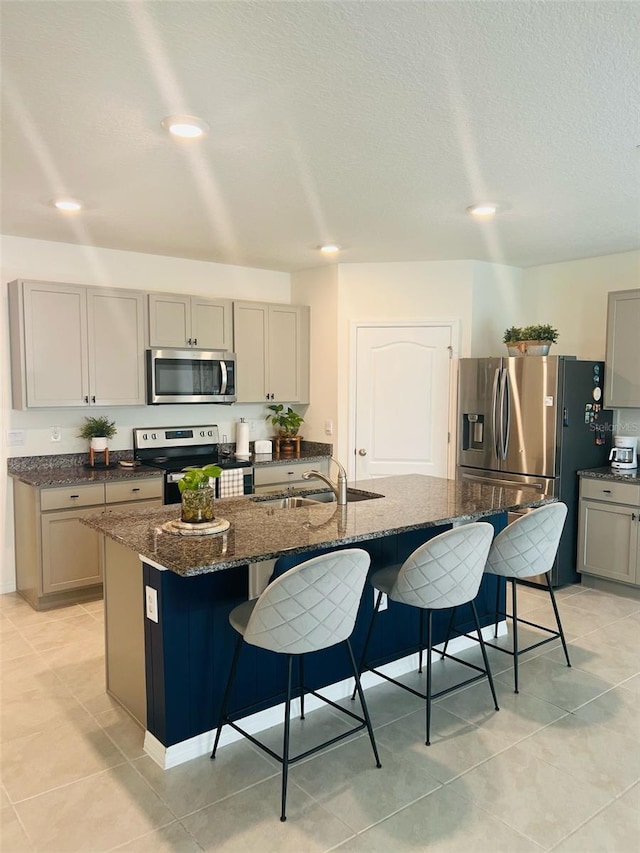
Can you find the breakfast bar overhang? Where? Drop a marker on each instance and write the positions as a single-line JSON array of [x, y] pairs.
[[177, 597]]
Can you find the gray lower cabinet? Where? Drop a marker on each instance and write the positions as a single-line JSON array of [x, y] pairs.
[[622, 376], [279, 476], [609, 530], [59, 560]]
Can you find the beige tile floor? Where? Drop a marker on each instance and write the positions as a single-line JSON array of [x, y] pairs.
[[558, 768]]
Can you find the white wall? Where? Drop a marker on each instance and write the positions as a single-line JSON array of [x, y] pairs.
[[48, 261], [498, 302], [318, 288], [572, 296]]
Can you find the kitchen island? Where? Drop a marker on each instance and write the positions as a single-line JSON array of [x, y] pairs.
[[181, 651]]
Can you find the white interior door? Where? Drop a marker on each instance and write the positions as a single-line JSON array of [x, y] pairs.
[[402, 400]]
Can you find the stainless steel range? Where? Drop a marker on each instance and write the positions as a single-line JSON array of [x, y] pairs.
[[174, 448]]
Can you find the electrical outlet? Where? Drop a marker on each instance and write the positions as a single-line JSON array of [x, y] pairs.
[[151, 597], [384, 601], [56, 433], [328, 427]]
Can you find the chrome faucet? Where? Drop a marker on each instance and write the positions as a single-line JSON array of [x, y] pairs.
[[338, 488]]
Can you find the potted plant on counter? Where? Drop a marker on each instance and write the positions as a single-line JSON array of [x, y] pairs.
[[98, 431], [287, 423], [197, 493], [530, 340]]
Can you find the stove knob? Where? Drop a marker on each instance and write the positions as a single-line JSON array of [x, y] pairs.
[[202, 433], [153, 435], [145, 436], [210, 432]]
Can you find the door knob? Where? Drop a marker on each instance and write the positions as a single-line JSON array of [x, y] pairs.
[[362, 452]]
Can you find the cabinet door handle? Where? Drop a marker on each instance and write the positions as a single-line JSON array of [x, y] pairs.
[[272, 396], [137, 489], [74, 497], [189, 342], [195, 342], [606, 491], [86, 399], [633, 516], [93, 399]]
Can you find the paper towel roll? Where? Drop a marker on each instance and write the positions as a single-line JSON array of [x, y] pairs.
[[242, 438]]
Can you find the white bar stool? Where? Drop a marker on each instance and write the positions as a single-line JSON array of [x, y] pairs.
[[525, 548], [444, 572], [311, 607]]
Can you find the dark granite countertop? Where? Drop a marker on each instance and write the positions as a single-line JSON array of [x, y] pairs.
[[67, 470], [261, 459], [620, 475], [260, 531]]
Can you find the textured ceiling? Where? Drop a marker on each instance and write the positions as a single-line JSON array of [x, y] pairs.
[[373, 124]]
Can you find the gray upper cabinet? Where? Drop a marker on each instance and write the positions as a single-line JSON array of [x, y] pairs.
[[622, 374], [182, 321], [75, 346], [271, 343]]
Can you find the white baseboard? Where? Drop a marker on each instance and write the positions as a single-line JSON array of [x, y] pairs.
[[170, 756], [9, 586]]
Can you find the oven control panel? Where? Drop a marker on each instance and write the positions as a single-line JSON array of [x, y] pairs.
[[149, 438]]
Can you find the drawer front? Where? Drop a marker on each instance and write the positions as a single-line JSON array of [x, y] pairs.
[[266, 475], [134, 490], [610, 490], [68, 497]]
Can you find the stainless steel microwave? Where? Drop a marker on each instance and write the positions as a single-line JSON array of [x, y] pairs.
[[190, 376]]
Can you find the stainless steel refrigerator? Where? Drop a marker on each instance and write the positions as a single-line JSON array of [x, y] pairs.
[[535, 421]]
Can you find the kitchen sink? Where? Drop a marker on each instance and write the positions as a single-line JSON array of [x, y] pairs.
[[353, 495], [314, 498], [287, 503]]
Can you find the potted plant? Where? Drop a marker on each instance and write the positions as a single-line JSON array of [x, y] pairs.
[[98, 431], [530, 340], [287, 423], [197, 493]]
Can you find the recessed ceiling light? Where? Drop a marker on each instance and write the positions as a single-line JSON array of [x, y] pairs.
[[68, 205], [482, 210], [187, 127], [329, 248]]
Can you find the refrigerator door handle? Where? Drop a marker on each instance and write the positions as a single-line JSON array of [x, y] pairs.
[[494, 408], [505, 412], [495, 481]]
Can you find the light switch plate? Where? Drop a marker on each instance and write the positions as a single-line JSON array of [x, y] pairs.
[[151, 598], [15, 437]]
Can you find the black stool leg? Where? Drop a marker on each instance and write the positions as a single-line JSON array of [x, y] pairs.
[[420, 637], [285, 745], [495, 628], [227, 693], [557, 615], [365, 710], [301, 680], [448, 634], [363, 656], [484, 655], [514, 601], [428, 696]]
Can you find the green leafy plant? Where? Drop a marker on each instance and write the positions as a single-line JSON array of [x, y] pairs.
[[197, 478], [288, 423], [515, 334], [100, 427]]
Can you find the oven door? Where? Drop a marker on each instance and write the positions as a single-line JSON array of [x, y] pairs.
[[172, 490], [190, 376]]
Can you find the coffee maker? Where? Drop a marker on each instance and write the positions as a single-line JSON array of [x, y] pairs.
[[624, 452]]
